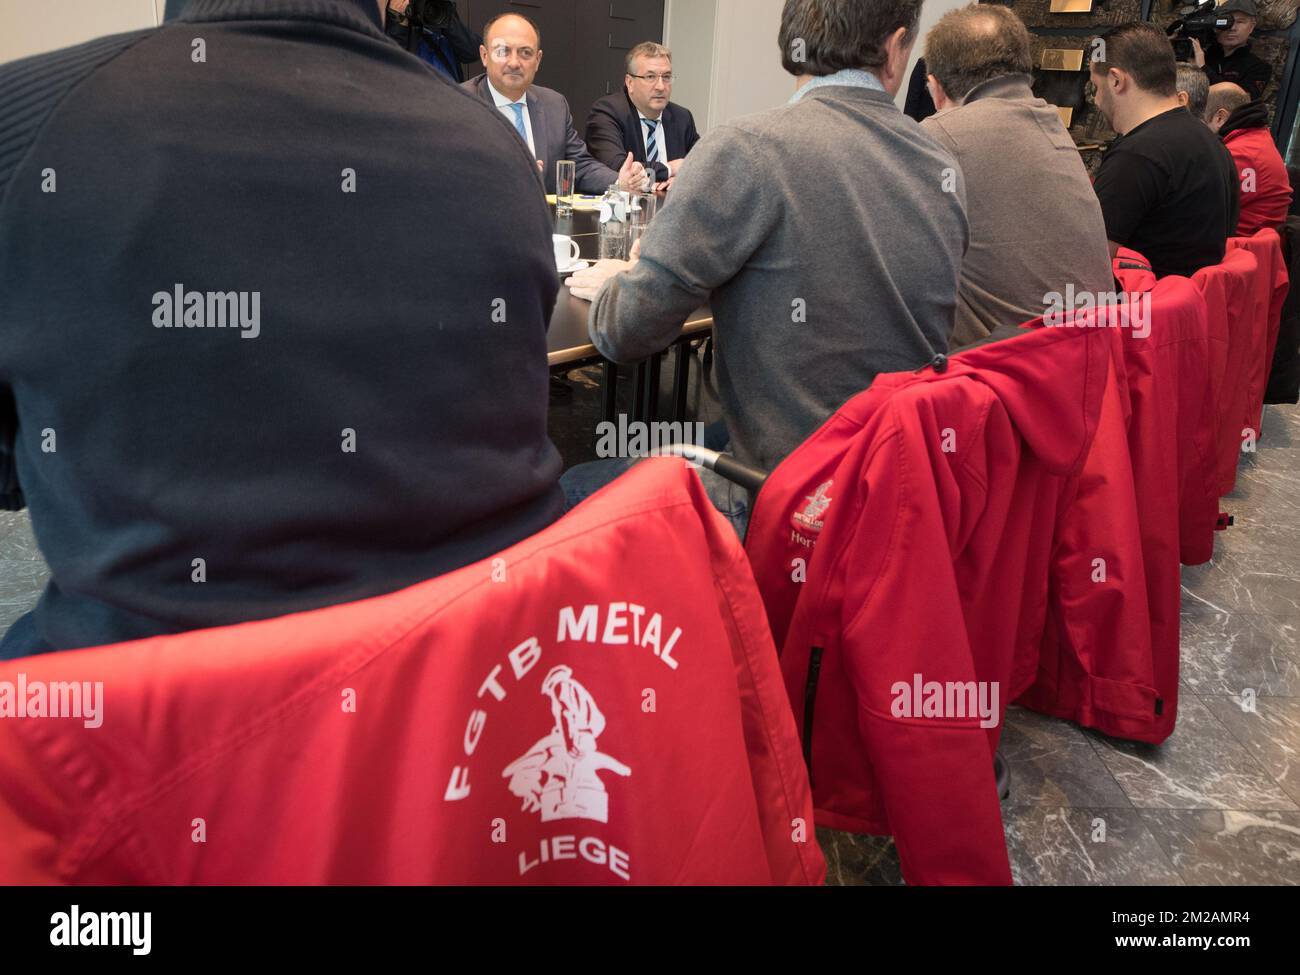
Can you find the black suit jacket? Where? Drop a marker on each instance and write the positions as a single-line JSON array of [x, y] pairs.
[[554, 137], [614, 130]]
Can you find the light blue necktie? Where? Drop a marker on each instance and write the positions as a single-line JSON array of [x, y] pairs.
[[519, 121], [651, 146]]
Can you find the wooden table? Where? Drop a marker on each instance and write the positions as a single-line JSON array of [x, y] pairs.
[[569, 345]]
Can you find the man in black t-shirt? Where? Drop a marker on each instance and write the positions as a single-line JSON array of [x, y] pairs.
[[1229, 58], [1167, 186]]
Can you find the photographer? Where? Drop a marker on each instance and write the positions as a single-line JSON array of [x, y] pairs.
[[1229, 57], [432, 30]]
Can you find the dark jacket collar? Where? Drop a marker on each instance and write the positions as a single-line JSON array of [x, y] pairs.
[[361, 15], [1252, 115]]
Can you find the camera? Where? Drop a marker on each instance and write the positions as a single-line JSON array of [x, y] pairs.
[[429, 14], [1198, 21]]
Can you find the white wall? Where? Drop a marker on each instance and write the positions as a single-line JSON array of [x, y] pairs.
[[689, 29], [726, 54], [30, 27], [748, 68]]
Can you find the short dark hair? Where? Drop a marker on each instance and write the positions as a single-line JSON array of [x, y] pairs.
[[1192, 80], [1143, 52], [510, 13], [975, 44], [820, 37]]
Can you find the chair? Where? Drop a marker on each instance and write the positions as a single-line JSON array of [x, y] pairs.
[[1095, 663], [600, 704], [1284, 375], [910, 537], [1226, 288], [753, 480], [1269, 293]]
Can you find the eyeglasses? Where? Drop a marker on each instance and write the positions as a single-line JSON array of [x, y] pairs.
[[502, 52], [654, 79]]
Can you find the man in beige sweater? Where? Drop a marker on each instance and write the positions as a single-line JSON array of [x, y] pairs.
[[1036, 229]]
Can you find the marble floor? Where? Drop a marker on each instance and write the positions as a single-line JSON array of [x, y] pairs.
[[1218, 803]]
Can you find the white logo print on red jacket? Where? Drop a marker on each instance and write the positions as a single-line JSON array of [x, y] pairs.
[[558, 775], [811, 517]]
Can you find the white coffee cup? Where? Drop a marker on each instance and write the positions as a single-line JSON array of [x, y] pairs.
[[567, 251]]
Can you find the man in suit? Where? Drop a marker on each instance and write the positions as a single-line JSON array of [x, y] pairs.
[[511, 54], [642, 119]]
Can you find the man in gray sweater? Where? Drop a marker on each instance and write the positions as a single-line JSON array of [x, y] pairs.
[[826, 234], [1036, 230]]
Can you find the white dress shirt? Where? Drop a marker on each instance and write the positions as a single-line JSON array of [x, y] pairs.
[[503, 106]]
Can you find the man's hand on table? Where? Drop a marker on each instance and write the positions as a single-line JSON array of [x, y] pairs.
[[585, 284]]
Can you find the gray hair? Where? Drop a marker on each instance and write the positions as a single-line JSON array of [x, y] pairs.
[[646, 49], [1192, 80]]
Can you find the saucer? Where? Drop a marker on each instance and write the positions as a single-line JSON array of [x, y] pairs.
[[573, 268]]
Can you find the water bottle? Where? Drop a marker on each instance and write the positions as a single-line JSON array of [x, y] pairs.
[[613, 224]]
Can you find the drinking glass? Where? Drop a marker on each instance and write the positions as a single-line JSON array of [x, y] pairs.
[[644, 206], [565, 178]]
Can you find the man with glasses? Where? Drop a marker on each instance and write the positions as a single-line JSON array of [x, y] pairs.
[[642, 119], [511, 54]]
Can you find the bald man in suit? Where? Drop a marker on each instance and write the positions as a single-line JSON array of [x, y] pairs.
[[512, 53]]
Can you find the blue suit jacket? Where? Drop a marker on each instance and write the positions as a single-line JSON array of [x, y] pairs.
[[555, 137]]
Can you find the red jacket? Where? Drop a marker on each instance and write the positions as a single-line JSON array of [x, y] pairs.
[[1095, 666], [924, 508], [1270, 289], [1133, 271], [601, 704], [1265, 185], [1145, 503], [1168, 376], [1227, 289]]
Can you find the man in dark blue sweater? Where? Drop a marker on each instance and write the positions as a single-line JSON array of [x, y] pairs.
[[247, 367]]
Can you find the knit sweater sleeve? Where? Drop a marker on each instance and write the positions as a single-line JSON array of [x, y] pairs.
[[32, 90]]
